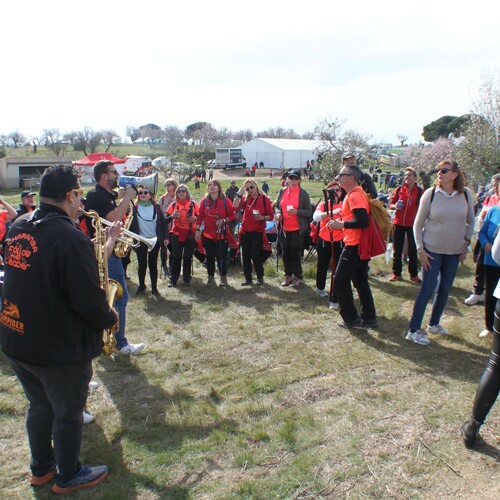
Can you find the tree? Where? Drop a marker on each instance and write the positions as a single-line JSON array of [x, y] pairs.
[[443, 127], [479, 148], [174, 140], [245, 135], [17, 138], [335, 140], [87, 140], [193, 129], [109, 137], [402, 139], [54, 140], [278, 133]]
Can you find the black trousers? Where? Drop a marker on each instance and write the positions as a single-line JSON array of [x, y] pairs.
[[251, 246], [478, 253], [491, 276], [489, 385], [324, 251], [399, 240], [216, 251], [147, 259], [182, 253], [57, 397], [292, 244], [352, 268]]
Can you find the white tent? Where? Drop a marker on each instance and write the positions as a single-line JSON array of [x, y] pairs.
[[279, 153]]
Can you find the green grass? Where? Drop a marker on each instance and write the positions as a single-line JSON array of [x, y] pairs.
[[258, 393]]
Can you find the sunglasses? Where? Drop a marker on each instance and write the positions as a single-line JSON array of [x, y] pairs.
[[168, 184], [342, 175], [337, 190], [445, 170], [78, 191], [249, 188], [112, 172], [143, 192], [181, 191], [293, 178]]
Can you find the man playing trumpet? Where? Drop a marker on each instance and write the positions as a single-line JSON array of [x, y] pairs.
[[102, 199]]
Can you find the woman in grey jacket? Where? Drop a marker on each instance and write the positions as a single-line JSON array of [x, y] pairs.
[[293, 215]]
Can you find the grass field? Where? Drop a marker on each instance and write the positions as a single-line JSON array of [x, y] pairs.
[[259, 394]]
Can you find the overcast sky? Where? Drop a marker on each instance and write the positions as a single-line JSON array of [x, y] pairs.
[[386, 67]]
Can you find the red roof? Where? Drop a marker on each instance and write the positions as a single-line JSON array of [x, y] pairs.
[[91, 159]]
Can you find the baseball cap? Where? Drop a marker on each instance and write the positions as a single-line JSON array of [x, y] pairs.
[[25, 194]]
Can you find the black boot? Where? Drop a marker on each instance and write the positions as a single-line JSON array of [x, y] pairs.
[[470, 431]]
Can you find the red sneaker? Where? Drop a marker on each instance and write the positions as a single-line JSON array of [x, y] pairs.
[[395, 277], [41, 480], [415, 279]]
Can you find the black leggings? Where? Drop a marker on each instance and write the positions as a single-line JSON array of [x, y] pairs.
[[489, 385], [216, 253], [324, 250], [251, 245], [147, 259]]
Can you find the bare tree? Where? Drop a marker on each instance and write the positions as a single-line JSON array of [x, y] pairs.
[[87, 140], [402, 138], [279, 133], [174, 140], [109, 137], [17, 138], [243, 135], [335, 140], [53, 139]]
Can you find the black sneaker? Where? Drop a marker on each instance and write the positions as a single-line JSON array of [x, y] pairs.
[[84, 478], [470, 431], [140, 290], [355, 323], [156, 293], [370, 323], [247, 283]]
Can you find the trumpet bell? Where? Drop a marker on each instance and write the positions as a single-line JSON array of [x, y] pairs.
[[150, 182]]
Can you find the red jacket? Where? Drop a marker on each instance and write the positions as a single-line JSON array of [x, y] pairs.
[[406, 215]]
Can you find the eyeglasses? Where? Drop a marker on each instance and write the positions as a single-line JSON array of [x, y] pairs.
[[293, 178], [181, 191], [143, 192], [445, 170], [168, 184], [342, 175], [337, 190], [78, 191], [249, 188]]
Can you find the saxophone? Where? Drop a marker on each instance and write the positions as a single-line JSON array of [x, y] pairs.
[[112, 288], [124, 245]]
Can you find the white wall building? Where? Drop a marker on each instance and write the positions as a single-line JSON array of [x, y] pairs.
[[279, 153]]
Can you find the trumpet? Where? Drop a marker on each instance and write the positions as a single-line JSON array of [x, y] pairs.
[[128, 237]]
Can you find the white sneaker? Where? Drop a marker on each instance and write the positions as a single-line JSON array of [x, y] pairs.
[[437, 330], [130, 349], [333, 305], [473, 298], [87, 417], [485, 333], [93, 385], [418, 337], [322, 293]]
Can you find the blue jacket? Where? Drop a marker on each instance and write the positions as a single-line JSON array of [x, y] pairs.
[[487, 233]]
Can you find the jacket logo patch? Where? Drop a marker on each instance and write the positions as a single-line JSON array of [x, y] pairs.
[[19, 249], [10, 317]]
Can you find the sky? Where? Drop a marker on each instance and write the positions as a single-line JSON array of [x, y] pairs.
[[385, 68]]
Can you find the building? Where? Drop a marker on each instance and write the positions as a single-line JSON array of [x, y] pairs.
[[279, 153], [18, 172]]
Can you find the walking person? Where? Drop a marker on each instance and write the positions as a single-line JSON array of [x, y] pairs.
[[443, 228], [293, 214], [489, 385], [51, 334], [405, 201], [257, 210], [165, 201], [355, 216], [148, 222], [212, 226], [183, 213]]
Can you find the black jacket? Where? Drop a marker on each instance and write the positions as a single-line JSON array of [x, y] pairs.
[[53, 309]]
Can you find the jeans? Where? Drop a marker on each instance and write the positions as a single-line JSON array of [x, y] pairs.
[[57, 397], [439, 279], [351, 268], [117, 273], [399, 239]]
